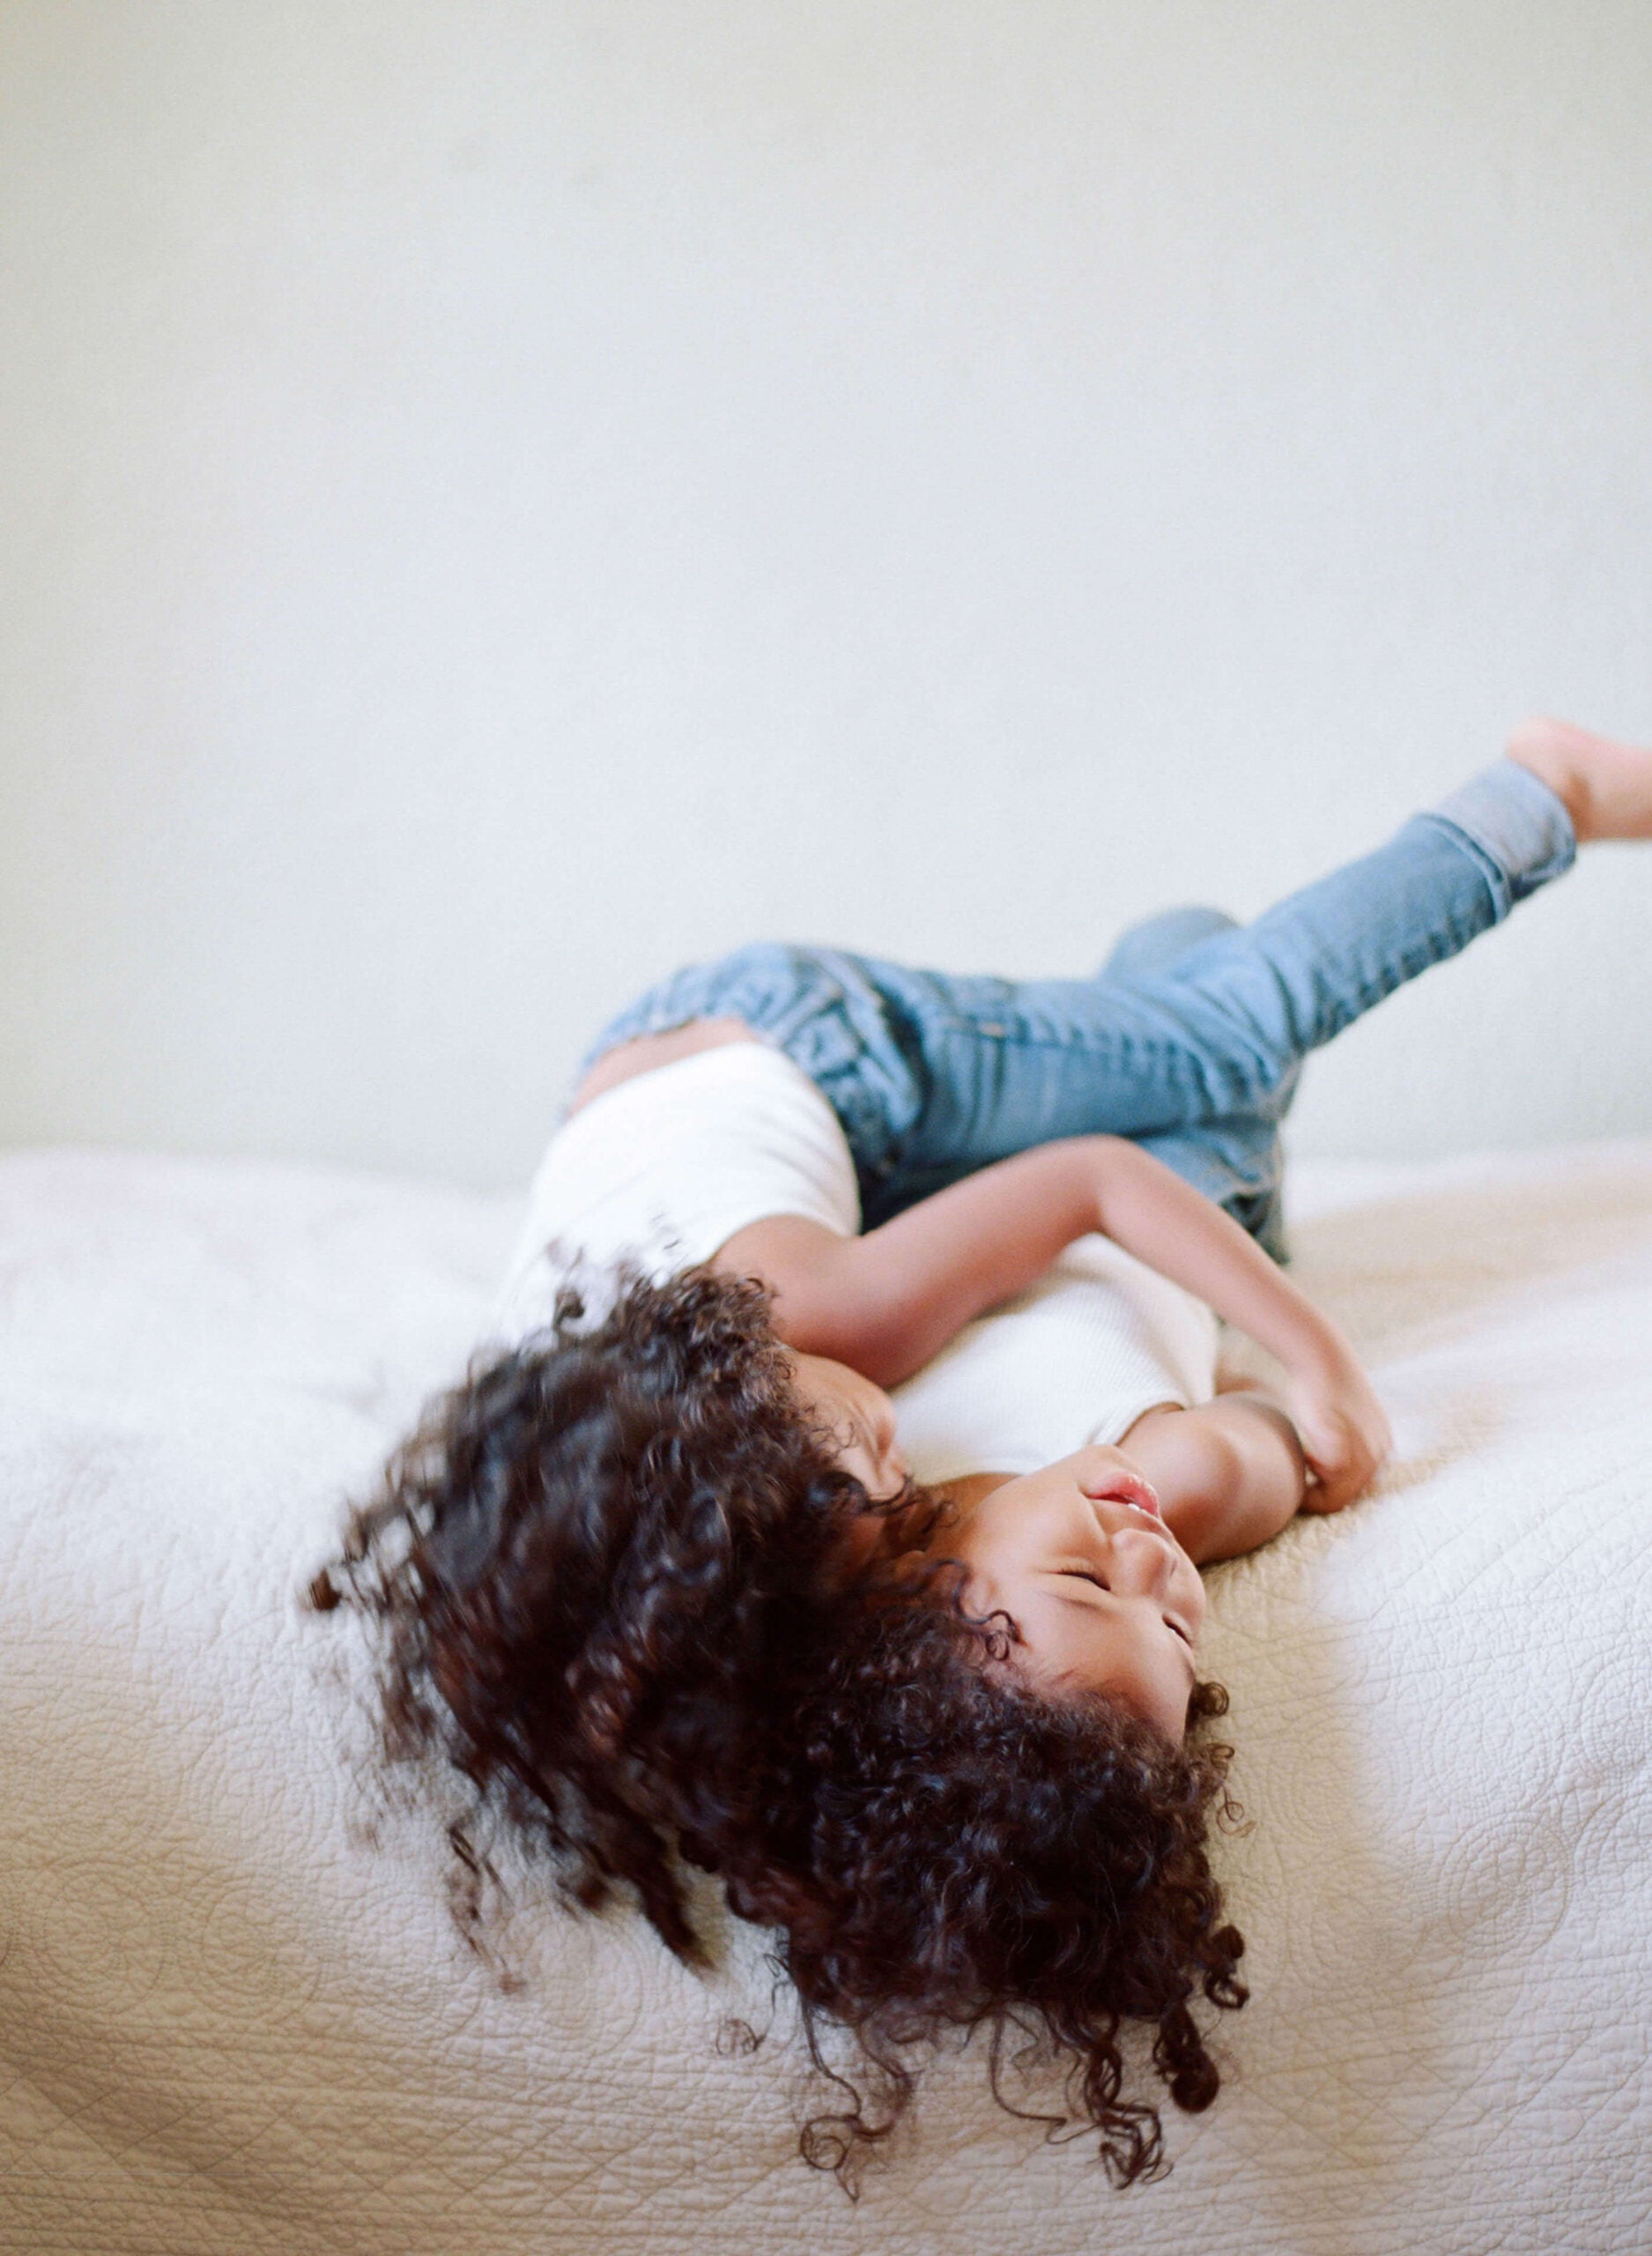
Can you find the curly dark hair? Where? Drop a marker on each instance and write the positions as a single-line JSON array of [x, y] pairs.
[[608, 1572]]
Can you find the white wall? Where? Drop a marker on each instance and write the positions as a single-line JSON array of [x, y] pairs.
[[505, 497]]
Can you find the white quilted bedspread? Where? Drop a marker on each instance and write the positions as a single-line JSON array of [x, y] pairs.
[[230, 2024]]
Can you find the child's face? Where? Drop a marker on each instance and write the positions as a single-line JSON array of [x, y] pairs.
[[1104, 1597]]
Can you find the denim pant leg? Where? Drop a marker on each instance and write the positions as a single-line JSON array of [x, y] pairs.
[[1182, 1058], [933, 1077], [1238, 1162]]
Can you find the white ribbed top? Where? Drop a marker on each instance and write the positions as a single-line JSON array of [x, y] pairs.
[[1076, 1358], [665, 1168]]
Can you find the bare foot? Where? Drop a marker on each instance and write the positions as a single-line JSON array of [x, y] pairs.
[[1605, 787]]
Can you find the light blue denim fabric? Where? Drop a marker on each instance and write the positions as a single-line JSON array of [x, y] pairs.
[[1190, 1039]]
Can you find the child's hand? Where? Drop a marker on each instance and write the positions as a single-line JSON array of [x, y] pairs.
[[1344, 1433]]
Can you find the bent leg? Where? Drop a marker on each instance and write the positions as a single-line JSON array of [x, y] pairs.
[[1217, 1037], [933, 1077]]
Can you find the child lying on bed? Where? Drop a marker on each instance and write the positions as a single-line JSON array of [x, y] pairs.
[[671, 1574]]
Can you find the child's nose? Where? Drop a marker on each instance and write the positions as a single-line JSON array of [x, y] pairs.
[[1143, 1564]]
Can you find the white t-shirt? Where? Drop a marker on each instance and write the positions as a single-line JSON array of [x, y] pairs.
[[664, 1169], [1075, 1359]]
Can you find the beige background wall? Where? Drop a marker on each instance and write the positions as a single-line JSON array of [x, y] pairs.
[[501, 498]]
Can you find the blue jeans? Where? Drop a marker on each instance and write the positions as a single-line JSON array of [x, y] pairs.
[[1189, 1039]]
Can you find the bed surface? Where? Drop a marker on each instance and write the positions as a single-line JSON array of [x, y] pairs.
[[230, 2023]]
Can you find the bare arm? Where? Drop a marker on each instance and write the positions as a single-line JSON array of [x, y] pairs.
[[886, 1302], [1229, 1474]]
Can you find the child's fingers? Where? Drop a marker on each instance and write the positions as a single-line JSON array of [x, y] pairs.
[[1318, 1498], [1340, 1476], [1345, 1446]]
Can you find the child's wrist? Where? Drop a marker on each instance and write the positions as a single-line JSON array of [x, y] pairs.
[[1321, 1357]]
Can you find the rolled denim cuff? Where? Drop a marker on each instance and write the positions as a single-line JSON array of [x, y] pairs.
[[1521, 831]]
